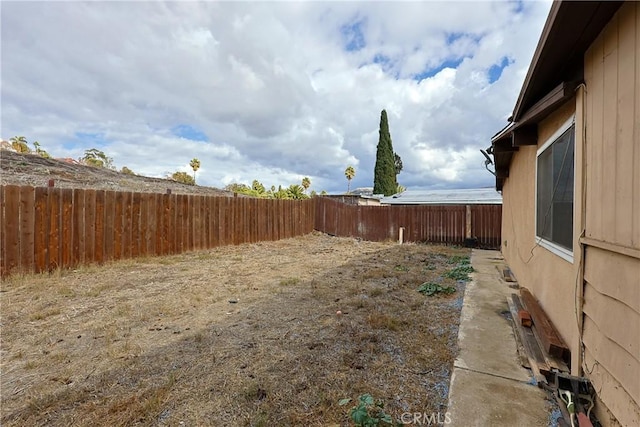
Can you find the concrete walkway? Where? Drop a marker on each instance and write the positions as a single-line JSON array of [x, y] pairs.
[[489, 387]]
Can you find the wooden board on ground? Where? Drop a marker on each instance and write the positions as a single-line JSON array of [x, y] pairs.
[[535, 355], [549, 336]]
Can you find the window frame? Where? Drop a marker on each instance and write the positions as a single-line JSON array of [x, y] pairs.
[[562, 252]]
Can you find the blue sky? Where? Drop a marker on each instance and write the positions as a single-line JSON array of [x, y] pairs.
[[273, 91]]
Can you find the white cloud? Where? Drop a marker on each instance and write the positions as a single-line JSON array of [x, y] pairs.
[[271, 85]]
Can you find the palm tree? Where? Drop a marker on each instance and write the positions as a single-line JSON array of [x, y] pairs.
[[19, 143], [40, 151], [349, 172], [195, 165], [306, 183], [296, 192]]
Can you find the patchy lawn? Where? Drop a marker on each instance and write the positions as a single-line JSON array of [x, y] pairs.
[[244, 335]]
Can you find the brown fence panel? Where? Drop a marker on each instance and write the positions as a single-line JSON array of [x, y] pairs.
[[169, 232], [214, 221], [158, 237], [100, 227], [110, 225], [54, 203], [486, 225], [127, 225], [47, 228], [426, 223], [66, 232], [41, 234], [145, 221], [11, 228], [27, 222], [77, 227], [3, 250], [89, 226], [135, 224], [118, 226]]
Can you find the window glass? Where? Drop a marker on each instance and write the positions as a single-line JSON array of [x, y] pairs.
[[554, 204]]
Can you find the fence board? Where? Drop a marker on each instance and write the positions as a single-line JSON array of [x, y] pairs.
[[127, 225], [169, 245], [89, 226], [136, 238], [3, 250], [54, 203], [11, 234], [118, 226], [27, 228], [41, 236], [3, 271], [54, 207], [77, 226], [144, 223], [66, 235], [199, 230], [100, 224], [214, 221], [111, 225]]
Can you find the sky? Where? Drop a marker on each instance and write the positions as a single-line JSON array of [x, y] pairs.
[[273, 91]]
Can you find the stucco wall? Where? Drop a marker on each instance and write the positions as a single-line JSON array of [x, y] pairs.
[[550, 278]]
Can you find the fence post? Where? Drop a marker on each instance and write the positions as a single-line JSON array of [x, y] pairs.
[[467, 233]]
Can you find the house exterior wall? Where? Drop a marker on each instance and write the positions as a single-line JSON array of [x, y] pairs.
[[594, 301], [611, 320], [550, 278]]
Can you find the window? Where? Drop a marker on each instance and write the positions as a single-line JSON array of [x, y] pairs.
[[554, 192]]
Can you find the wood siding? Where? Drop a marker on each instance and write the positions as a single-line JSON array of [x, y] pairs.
[[612, 77], [611, 312]]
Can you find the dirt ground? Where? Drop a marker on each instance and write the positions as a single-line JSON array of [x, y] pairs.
[[244, 335]]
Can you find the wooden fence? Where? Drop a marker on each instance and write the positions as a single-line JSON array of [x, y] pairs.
[[45, 228], [449, 224]]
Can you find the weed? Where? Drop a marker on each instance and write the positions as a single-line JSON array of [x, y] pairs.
[[400, 267], [290, 281], [41, 315], [254, 392], [460, 272], [198, 337], [375, 273], [382, 321], [66, 292], [30, 365], [123, 310], [430, 288], [368, 412], [375, 292], [459, 259]]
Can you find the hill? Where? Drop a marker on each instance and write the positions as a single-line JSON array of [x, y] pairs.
[[34, 170]]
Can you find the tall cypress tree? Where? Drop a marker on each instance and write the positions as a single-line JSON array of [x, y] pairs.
[[384, 178]]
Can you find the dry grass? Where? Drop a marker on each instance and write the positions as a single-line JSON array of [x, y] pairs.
[[159, 342]]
